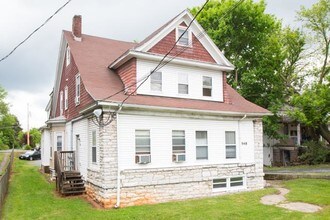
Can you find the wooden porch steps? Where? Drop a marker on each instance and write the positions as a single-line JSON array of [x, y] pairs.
[[69, 181], [72, 183]]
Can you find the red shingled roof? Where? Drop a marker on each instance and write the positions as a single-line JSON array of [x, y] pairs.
[[93, 55]]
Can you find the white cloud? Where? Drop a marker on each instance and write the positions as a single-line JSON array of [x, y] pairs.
[[19, 100]]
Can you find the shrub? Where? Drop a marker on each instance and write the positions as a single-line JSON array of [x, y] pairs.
[[4, 147], [315, 153], [27, 147]]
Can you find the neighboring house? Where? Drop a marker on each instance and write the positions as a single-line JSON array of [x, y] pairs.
[[184, 134], [284, 152]]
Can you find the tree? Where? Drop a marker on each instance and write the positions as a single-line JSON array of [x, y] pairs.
[[35, 137], [264, 54], [9, 124], [312, 107]]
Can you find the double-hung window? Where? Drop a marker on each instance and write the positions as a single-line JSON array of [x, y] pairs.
[[207, 86], [156, 81], [230, 145], [59, 142], [66, 101], [183, 87], [142, 141], [77, 98], [61, 103], [68, 56], [185, 40], [201, 145], [93, 146], [178, 145]]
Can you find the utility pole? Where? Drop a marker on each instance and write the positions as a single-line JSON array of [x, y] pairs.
[[28, 126]]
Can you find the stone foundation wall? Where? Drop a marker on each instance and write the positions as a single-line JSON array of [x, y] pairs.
[[148, 186], [162, 185]]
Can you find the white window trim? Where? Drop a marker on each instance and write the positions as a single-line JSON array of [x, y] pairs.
[[187, 83], [207, 87], [162, 86], [78, 83], [228, 187], [96, 148], [207, 141], [189, 36], [68, 56], [61, 103], [232, 160], [66, 100]]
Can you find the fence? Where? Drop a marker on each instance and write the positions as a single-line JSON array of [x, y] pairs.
[[4, 180]]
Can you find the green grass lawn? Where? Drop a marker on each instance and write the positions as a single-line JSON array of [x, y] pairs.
[[32, 197], [293, 168]]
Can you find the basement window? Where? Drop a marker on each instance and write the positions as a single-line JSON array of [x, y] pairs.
[[228, 183]]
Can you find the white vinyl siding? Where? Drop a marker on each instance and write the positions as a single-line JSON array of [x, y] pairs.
[[81, 131], [171, 78], [161, 145], [230, 144]]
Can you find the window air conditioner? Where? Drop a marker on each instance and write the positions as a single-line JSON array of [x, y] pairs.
[[143, 158], [179, 158]]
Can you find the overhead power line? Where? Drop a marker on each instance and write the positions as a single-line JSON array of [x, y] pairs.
[[37, 29]]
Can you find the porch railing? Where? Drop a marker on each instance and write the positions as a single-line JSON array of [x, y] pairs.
[[64, 161]]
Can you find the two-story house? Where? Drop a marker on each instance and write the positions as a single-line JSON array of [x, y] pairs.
[[184, 133]]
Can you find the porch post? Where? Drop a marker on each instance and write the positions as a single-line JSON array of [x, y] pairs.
[[298, 135]]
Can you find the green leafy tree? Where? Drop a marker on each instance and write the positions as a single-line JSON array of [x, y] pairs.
[[35, 137], [312, 107], [265, 55], [9, 124]]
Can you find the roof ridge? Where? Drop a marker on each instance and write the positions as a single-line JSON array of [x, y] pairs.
[[93, 36]]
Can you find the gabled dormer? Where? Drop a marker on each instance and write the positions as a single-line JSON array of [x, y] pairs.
[[195, 67]]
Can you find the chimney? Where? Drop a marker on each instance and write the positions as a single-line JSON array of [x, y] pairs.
[[76, 27]]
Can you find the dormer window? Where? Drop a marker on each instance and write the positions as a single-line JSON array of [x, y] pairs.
[[207, 86], [156, 81], [185, 40], [68, 56]]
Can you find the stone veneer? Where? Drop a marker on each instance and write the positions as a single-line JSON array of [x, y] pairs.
[[156, 185]]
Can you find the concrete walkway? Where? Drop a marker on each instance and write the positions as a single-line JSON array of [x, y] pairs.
[[279, 200]]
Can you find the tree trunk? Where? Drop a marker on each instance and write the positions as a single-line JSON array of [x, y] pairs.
[[324, 132]]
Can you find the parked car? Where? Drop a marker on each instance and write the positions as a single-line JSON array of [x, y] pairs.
[[31, 155]]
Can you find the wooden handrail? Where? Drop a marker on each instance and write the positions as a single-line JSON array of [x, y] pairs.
[[64, 161]]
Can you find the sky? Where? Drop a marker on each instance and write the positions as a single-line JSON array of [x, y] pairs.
[[28, 74]]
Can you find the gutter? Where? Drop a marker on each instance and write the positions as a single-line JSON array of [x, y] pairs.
[[167, 109]]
